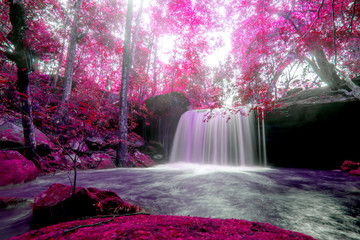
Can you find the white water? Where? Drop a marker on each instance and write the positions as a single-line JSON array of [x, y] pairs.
[[217, 141]]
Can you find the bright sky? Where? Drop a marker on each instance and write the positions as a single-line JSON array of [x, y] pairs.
[[220, 53], [167, 47]]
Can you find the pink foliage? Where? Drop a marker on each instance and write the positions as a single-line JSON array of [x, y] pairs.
[[163, 227]]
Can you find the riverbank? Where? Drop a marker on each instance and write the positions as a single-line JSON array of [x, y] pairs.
[[161, 227]]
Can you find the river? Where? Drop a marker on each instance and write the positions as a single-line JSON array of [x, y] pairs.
[[322, 204]]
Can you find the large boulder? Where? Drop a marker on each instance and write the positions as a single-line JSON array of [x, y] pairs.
[[161, 104], [12, 135], [15, 168], [57, 204]]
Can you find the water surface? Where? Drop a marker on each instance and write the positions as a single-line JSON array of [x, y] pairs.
[[323, 204]]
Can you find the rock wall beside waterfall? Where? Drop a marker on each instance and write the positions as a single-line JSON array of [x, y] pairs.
[[166, 111], [313, 135]]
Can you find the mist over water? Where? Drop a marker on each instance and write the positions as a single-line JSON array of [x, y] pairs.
[[220, 140]]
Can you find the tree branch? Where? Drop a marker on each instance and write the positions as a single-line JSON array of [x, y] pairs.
[[273, 82], [351, 22], [355, 88], [88, 225], [102, 222]]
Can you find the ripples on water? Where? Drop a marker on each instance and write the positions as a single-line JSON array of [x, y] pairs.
[[323, 204]]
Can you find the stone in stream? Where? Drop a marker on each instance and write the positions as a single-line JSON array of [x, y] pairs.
[[349, 165], [57, 204]]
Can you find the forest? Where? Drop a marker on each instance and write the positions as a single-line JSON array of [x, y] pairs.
[[85, 58], [92, 75]]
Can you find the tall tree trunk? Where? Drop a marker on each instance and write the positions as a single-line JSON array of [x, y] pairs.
[[122, 151], [71, 56], [23, 63]]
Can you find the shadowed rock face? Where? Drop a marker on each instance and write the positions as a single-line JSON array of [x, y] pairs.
[[166, 111], [313, 135]]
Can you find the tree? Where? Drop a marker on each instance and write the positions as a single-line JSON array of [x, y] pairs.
[[122, 151], [21, 55], [71, 57], [270, 35]]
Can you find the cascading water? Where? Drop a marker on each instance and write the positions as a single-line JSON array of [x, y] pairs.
[[216, 141]]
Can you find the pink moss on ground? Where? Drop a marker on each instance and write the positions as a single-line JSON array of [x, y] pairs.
[[163, 227]]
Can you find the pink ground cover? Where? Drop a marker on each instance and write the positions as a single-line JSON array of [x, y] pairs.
[[163, 227]]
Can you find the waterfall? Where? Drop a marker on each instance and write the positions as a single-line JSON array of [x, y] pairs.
[[217, 141]]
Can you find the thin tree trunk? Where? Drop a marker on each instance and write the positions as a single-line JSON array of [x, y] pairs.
[[122, 151], [23, 63], [135, 35], [154, 67], [61, 56], [143, 88], [71, 55]]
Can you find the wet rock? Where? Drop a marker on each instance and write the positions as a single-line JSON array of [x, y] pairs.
[[57, 204], [355, 172], [11, 135], [142, 160], [349, 165], [155, 150], [9, 201], [15, 168]]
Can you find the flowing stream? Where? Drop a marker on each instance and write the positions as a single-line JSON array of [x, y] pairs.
[[323, 204]]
